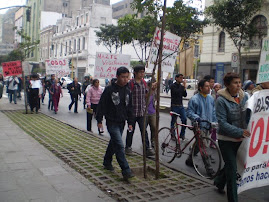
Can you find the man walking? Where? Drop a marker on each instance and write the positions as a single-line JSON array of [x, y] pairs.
[[49, 83], [116, 105], [138, 87], [177, 92], [75, 91]]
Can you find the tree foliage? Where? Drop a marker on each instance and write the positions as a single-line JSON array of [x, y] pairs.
[[234, 17]]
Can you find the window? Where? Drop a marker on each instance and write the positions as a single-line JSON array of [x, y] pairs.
[[66, 47], [78, 43], [87, 17], [77, 20], [70, 43], [81, 20], [75, 45], [103, 20], [83, 43], [260, 23], [222, 42]]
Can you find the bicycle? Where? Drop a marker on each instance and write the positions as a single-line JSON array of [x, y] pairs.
[[204, 157]]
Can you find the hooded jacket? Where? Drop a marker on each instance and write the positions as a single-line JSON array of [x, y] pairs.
[[231, 116]]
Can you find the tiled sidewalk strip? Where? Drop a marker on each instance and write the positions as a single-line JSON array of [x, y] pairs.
[[84, 152]]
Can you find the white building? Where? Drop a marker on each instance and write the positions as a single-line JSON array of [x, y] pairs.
[[18, 25], [75, 38], [218, 47]]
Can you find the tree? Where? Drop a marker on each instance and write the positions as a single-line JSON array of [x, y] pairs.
[[234, 17], [109, 36]]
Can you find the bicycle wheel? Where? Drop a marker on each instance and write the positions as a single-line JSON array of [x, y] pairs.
[[206, 157], [168, 144]]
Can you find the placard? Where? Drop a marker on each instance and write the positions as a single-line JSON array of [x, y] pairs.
[[12, 68], [59, 67], [106, 64], [263, 72]]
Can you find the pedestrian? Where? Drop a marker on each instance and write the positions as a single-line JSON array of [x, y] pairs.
[[75, 92], [56, 91], [116, 105], [151, 117], [85, 84], [178, 91], [211, 81], [27, 84], [106, 81], [34, 89], [20, 85], [248, 86], [202, 107], [166, 84], [48, 85], [1, 85], [232, 130], [93, 96], [12, 88], [43, 90], [138, 87]]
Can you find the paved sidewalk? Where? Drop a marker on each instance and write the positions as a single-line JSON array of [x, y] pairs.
[[29, 172]]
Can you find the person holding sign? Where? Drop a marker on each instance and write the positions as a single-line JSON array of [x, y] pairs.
[[12, 88], [232, 119], [116, 105]]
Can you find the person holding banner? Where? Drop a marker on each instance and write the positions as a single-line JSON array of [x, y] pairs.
[[232, 119], [12, 88]]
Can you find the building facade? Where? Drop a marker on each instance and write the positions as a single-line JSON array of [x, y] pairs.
[[18, 26], [122, 8], [218, 47]]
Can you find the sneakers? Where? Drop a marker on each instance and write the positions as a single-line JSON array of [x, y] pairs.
[[150, 152], [129, 151], [220, 190], [109, 167], [189, 163], [127, 176]]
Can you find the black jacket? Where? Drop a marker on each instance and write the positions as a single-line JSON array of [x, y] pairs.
[[177, 92], [116, 105], [76, 91]]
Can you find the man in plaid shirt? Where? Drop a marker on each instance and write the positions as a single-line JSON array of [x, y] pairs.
[[138, 88]]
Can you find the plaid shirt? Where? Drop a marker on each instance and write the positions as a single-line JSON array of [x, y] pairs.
[[138, 98]]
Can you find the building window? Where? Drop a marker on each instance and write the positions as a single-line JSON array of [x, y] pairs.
[[81, 20], [66, 47], [87, 17], [78, 43], [103, 20], [260, 23], [77, 20], [222, 42], [70, 43], [83, 43], [75, 45]]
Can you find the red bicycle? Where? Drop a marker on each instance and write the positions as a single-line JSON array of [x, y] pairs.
[[205, 152]]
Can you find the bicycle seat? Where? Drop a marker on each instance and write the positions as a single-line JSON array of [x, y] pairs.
[[174, 113]]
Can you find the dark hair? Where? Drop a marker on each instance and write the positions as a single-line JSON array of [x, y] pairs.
[[138, 68], [94, 81], [229, 77], [201, 83], [178, 75], [52, 75], [122, 70], [34, 76], [208, 77]]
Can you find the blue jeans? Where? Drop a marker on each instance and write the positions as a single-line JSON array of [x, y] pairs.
[[179, 110], [14, 93], [115, 146], [50, 105]]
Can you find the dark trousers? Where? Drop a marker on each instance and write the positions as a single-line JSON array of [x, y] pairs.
[[50, 105], [34, 98], [74, 100], [129, 137], [116, 147], [228, 173], [14, 94], [179, 110], [89, 116]]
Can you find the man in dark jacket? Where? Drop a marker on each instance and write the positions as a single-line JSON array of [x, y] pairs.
[[75, 91], [116, 105], [48, 85], [177, 92]]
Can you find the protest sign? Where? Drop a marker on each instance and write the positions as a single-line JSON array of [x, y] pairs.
[[59, 67], [12, 68], [263, 72], [106, 64], [253, 154], [170, 50]]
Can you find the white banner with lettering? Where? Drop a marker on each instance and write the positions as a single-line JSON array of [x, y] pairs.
[[253, 154], [263, 72], [106, 64], [59, 67], [170, 50]]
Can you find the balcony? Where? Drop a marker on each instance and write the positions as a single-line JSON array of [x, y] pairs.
[[252, 45]]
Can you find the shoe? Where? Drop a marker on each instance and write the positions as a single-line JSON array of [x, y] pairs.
[[220, 190], [129, 151], [109, 167], [55, 112], [150, 152], [210, 172], [189, 163], [15, 103], [173, 137], [76, 112], [127, 176]]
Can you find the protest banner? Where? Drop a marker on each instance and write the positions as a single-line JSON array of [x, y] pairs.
[[263, 72], [12, 68], [59, 67], [253, 154], [170, 50], [106, 64]]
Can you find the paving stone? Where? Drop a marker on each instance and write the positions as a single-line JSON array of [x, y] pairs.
[[15, 157], [73, 187], [85, 196], [55, 170], [19, 166], [47, 193], [13, 196], [59, 179]]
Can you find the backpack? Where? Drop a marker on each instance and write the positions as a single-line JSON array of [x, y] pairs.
[[132, 84]]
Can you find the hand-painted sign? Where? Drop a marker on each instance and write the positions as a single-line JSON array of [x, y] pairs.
[[12, 68], [106, 64], [59, 67], [263, 73], [253, 154], [170, 50]]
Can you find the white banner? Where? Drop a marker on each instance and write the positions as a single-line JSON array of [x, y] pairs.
[[170, 50], [263, 73], [106, 64], [59, 67], [253, 154]]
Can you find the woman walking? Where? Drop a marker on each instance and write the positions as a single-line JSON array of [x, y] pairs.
[[93, 96], [56, 90], [34, 90], [232, 121]]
